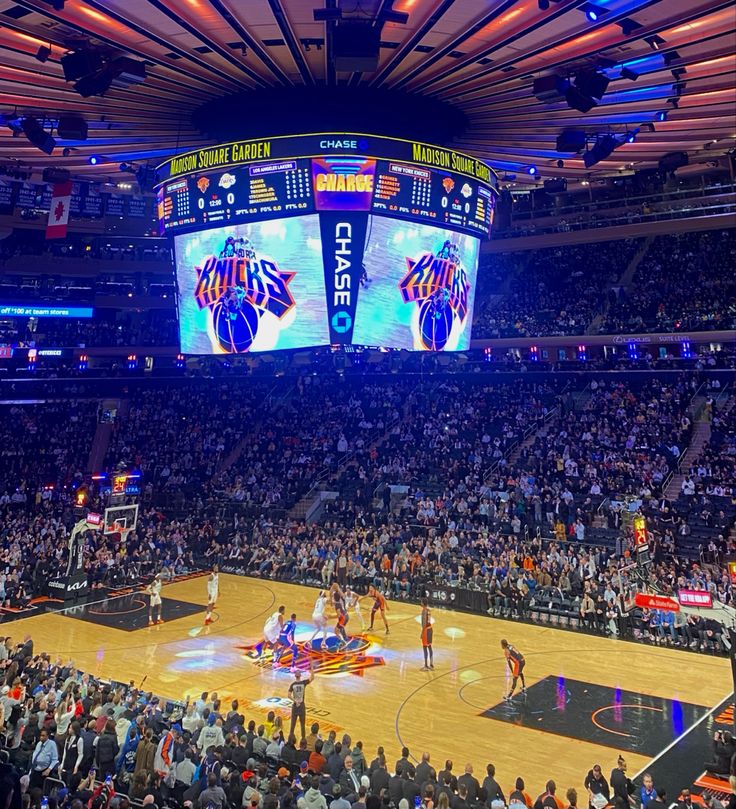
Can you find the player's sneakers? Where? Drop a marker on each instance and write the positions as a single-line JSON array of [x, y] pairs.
[[424, 668], [150, 622], [431, 666], [523, 691], [507, 697], [160, 621]]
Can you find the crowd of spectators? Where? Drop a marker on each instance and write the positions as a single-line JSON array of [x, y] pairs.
[[82, 742], [683, 283], [558, 292]]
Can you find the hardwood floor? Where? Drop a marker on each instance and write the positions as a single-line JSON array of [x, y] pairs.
[[589, 697]]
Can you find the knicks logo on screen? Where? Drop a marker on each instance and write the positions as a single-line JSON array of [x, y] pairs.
[[239, 287], [343, 183], [438, 284]]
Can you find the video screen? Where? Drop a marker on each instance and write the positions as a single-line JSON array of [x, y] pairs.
[[336, 277], [254, 287], [418, 289]]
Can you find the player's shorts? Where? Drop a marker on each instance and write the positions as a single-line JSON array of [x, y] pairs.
[[342, 619], [155, 601], [427, 635], [517, 666], [319, 618]]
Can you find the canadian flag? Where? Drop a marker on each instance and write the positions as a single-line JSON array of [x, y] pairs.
[[59, 213]]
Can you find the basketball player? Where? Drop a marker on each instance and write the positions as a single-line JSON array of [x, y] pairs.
[[154, 604], [286, 641], [516, 662], [427, 637], [320, 621], [341, 614], [352, 602], [272, 630], [379, 605], [213, 591]]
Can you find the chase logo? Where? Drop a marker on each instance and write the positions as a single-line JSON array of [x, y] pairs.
[[341, 322]]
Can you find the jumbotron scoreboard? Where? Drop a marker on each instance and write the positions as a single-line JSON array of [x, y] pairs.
[[290, 176], [321, 239]]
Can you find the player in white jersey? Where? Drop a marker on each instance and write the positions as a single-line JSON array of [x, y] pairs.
[[272, 630], [320, 621], [154, 603], [213, 591], [352, 602]]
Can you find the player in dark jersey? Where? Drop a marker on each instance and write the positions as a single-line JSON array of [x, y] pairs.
[[516, 662], [341, 612], [379, 605], [427, 633]]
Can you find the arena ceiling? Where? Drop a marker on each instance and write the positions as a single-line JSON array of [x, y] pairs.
[[480, 56]]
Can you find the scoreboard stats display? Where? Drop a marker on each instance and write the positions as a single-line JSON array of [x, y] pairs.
[[325, 239]]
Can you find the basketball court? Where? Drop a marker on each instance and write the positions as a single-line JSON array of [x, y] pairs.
[[589, 698]]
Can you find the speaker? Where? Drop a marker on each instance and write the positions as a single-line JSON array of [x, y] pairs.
[[53, 175], [557, 185], [72, 127], [355, 47], [577, 100], [673, 161], [571, 140], [37, 135], [592, 83], [80, 63], [550, 88]]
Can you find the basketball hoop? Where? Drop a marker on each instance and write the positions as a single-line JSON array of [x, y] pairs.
[[120, 520]]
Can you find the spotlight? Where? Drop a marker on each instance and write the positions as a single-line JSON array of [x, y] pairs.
[[94, 160], [602, 148], [543, 5], [661, 115], [655, 42], [593, 12], [532, 170], [631, 136]]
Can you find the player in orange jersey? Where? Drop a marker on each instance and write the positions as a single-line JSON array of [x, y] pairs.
[[379, 605], [516, 662], [427, 633]]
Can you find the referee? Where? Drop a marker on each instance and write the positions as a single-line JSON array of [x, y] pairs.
[[298, 707]]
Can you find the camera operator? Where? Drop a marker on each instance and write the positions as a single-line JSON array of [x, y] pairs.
[[724, 747]]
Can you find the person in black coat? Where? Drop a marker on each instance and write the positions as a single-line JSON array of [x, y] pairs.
[[403, 764], [396, 788], [424, 772], [334, 763], [379, 776], [106, 751], [492, 787], [411, 790], [448, 771], [470, 782], [620, 785]]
